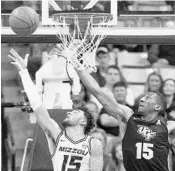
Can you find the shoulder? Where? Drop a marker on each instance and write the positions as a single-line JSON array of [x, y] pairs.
[[94, 141], [128, 112], [96, 147]]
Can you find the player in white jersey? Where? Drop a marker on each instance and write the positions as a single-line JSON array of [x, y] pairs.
[[71, 149]]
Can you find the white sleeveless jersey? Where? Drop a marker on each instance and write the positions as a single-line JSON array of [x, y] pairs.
[[70, 155]]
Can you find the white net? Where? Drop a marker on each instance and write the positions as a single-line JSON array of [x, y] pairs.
[[80, 48]]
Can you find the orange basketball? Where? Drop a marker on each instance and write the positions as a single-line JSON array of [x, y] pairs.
[[24, 21]]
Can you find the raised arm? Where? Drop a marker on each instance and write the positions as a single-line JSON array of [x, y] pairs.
[[105, 98], [48, 125]]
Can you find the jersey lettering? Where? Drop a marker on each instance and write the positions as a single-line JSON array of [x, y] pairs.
[[146, 132], [73, 150], [144, 150], [74, 164]]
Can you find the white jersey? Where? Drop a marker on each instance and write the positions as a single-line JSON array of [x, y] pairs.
[[71, 155]]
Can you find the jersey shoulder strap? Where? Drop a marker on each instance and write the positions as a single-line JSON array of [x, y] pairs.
[[56, 144]]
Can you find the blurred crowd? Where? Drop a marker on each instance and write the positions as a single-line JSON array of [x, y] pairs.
[[60, 87], [110, 77]]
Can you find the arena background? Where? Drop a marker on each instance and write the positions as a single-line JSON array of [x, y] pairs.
[[140, 24]]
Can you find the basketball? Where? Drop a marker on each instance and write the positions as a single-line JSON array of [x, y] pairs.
[[24, 21]]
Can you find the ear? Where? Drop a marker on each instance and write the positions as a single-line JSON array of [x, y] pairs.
[[83, 122], [157, 108]]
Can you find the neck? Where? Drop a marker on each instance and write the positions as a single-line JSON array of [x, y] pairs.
[[75, 133], [169, 100], [149, 117]]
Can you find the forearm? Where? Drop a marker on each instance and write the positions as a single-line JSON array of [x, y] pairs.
[[108, 121], [41, 112], [105, 98], [30, 89], [89, 82]]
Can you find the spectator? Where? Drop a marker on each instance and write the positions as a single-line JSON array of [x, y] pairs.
[[120, 93], [153, 84], [80, 99], [161, 55], [34, 65], [101, 135], [168, 90], [107, 122], [113, 76], [102, 57], [93, 109], [52, 81], [116, 162]]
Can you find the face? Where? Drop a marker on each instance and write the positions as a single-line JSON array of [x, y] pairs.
[[154, 83], [118, 152], [169, 88], [99, 136], [103, 59], [75, 117], [77, 101], [92, 108], [120, 94], [112, 76], [147, 103]]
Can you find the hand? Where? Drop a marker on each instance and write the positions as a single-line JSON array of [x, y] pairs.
[[17, 60]]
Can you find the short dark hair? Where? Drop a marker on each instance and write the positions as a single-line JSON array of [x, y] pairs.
[[90, 119], [122, 78], [161, 100], [113, 67], [120, 84]]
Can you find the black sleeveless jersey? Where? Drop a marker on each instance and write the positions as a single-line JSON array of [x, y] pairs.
[[145, 145]]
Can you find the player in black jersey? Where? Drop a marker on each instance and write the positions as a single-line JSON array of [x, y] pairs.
[[145, 144]]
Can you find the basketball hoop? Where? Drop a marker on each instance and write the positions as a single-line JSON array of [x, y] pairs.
[[79, 44]]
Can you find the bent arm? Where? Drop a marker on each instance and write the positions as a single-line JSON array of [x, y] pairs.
[[47, 124], [105, 98], [108, 121], [96, 160]]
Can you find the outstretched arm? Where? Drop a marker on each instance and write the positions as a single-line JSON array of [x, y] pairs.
[[49, 126], [105, 98]]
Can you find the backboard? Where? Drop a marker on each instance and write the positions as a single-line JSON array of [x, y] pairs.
[[139, 21]]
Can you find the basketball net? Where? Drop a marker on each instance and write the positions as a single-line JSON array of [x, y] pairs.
[[78, 44]]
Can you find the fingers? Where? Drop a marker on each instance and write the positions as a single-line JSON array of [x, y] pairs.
[[27, 55], [15, 54], [14, 59], [26, 58], [14, 63]]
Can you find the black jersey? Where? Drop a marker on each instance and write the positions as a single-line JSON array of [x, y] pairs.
[[145, 145]]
